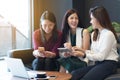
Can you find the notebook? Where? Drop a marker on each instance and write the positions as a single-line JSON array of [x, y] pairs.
[[17, 68]]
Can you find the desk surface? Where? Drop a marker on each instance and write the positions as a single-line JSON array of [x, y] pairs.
[[59, 76]]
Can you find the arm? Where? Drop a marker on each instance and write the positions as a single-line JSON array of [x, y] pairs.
[[104, 48], [36, 43], [86, 40], [106, 44], [85, 44], [36, 39]]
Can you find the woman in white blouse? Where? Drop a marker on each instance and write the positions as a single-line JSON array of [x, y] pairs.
[[103, 48]]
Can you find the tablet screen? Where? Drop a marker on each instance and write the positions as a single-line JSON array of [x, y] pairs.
[[64, 50]]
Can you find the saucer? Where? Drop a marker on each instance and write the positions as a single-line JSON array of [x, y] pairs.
[[42, 72], [42, 78]]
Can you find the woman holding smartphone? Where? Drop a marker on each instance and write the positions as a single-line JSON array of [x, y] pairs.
[[46, 40]]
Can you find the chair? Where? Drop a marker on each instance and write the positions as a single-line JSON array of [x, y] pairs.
[[24, 54], [27, 57]]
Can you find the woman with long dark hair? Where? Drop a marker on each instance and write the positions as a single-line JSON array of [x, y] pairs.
[[46, 40], [103, 48], [73, 34]]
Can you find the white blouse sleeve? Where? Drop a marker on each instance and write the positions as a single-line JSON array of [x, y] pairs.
[[105, 44]]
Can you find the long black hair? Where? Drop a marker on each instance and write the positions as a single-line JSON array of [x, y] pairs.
[[65, 25], [47, 15], [100, 13]]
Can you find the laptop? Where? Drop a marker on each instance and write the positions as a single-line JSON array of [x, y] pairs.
[[17, 68]]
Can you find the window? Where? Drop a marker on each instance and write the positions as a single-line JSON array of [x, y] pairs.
[[17, 13]]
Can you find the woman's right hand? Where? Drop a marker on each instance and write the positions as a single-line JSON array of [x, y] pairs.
[[67, 54], [78, 53], [67, 45], [35, 53], [41, 51], [38, 53]]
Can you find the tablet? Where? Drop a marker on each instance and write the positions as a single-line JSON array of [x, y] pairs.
[[64, 50]]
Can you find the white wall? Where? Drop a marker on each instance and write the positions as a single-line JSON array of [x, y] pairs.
[[6, 37]]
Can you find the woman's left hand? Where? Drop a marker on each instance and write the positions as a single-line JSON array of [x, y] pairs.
[[75, 48], [77, 53]]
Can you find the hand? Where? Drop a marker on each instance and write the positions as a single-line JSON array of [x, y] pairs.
[[67, 54], [75, 48], [37, 53], [41, 54], [77, 53], [67, 45], [49, 54], [41, 49]]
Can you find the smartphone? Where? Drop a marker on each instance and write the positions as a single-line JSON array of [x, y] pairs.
[[52, 77]]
